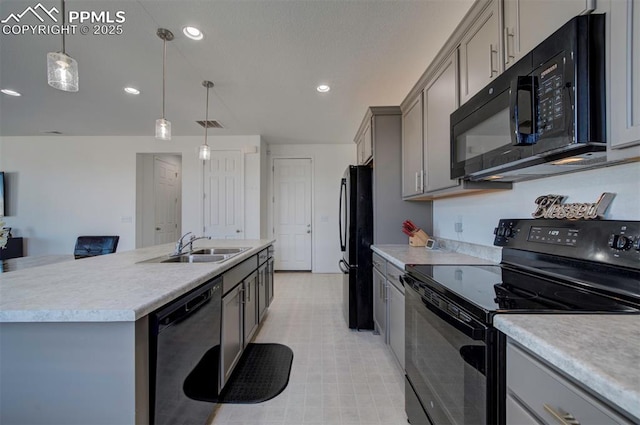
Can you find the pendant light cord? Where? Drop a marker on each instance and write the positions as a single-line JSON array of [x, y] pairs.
[[164, 54], [206, 117], [63, 15]]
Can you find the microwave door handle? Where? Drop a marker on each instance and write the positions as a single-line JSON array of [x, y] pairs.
[[518, 116]]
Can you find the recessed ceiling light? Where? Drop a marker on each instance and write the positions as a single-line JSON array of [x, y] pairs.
[[193, 33], [323, 88], [131, 90], [10, 92]]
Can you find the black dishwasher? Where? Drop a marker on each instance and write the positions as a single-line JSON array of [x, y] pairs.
[[184, 356]]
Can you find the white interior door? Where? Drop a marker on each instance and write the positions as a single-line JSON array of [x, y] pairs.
[[292, 213], [165, 182], [224, 195]]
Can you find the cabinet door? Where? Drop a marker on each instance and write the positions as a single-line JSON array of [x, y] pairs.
[[412, 149], [396, 322], [380, 303], [359, 150], [367, 143], [529, 22], [440, 100], [480, 53], [232, 336], [250, 307], [262, 291], [625, 74], [270, 286]]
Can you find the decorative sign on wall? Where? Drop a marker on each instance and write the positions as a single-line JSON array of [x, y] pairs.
[[553, 206]]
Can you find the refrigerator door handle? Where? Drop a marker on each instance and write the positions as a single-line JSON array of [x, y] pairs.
[[344, 267], [343, 197]]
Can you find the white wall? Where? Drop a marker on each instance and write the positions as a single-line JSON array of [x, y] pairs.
[[480, 213], [329, 163], [66, 186]]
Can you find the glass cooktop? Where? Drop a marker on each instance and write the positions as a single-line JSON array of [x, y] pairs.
[[498, 289]]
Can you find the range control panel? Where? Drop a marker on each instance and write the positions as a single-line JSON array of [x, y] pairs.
[[609, 241]]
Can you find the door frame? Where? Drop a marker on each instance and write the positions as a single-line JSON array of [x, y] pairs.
[[271, 208], [145, 195]]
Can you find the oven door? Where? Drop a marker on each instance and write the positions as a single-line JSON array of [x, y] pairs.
[[447, 359]]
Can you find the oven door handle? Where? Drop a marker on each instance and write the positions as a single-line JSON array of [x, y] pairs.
[[471, 328]]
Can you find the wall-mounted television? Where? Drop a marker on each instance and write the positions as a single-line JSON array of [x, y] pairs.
[[2, 195]]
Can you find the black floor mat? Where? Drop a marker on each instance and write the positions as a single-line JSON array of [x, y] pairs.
[[261, 374]]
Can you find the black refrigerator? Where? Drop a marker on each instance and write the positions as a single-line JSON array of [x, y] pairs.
[[356, 238]]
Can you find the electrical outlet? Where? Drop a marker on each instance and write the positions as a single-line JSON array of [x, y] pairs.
[[458, 225]]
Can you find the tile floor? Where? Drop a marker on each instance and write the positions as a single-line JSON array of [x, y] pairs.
[[339, 376]]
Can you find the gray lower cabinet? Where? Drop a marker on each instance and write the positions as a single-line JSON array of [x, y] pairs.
[[388, 305], [250, 306], [262, 290], [380, 302], [248, 293], [395, 301], [539, 394], [270, 287], [232, 338]]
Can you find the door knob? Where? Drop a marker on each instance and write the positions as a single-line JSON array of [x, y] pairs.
[[157, 228], [238, 231], [308, 231]]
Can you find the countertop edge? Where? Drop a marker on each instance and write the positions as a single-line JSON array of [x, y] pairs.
[[624, 397]]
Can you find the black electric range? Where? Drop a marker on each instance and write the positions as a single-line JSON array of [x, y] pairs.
[[548, 266]]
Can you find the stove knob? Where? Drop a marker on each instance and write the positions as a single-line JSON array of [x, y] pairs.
[[623, 243], [636, 244], [508, 232]]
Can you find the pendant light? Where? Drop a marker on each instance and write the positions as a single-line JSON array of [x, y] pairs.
[[163, 126], [62, 69], [205, 150]]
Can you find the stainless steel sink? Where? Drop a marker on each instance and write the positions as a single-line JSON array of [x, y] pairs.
[[223, 251], [203, 255], [196, 258]]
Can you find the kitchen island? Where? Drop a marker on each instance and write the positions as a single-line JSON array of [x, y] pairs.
[[74, 335]]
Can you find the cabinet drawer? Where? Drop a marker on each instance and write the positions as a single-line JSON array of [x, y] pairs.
[[393, 276], [234, 276], [379, 263], [263, 255], [540, 389]]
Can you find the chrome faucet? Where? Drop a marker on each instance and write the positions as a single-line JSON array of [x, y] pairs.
[[181, 245], [193, 239]]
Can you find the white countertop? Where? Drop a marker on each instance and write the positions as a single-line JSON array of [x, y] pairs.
[[114, 287], [401, 255], [602, 352]]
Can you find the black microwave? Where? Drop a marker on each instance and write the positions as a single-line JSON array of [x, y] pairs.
[[543, 115]]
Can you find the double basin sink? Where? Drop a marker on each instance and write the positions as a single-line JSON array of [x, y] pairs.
[[205, 255]]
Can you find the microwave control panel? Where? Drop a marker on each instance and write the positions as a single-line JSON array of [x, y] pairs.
[[551, 86]]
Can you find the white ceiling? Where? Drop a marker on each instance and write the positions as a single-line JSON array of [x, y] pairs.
[[265, 57]]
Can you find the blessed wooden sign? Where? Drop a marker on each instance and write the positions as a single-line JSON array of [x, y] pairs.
[[553, 206]]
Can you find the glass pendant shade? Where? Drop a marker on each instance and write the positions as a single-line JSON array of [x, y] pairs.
[[163, 129], [62, 71], [204, 153]]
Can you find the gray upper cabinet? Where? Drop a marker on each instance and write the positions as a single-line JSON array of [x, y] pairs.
[[480, 52], [440, 100], [624, 78], [528, 22], [412, 177], [364, 143]]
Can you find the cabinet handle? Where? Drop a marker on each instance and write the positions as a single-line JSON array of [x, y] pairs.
[[562, 418], [421, 181], [491, 52], [508, 35], [242, 295], [417, 190]]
